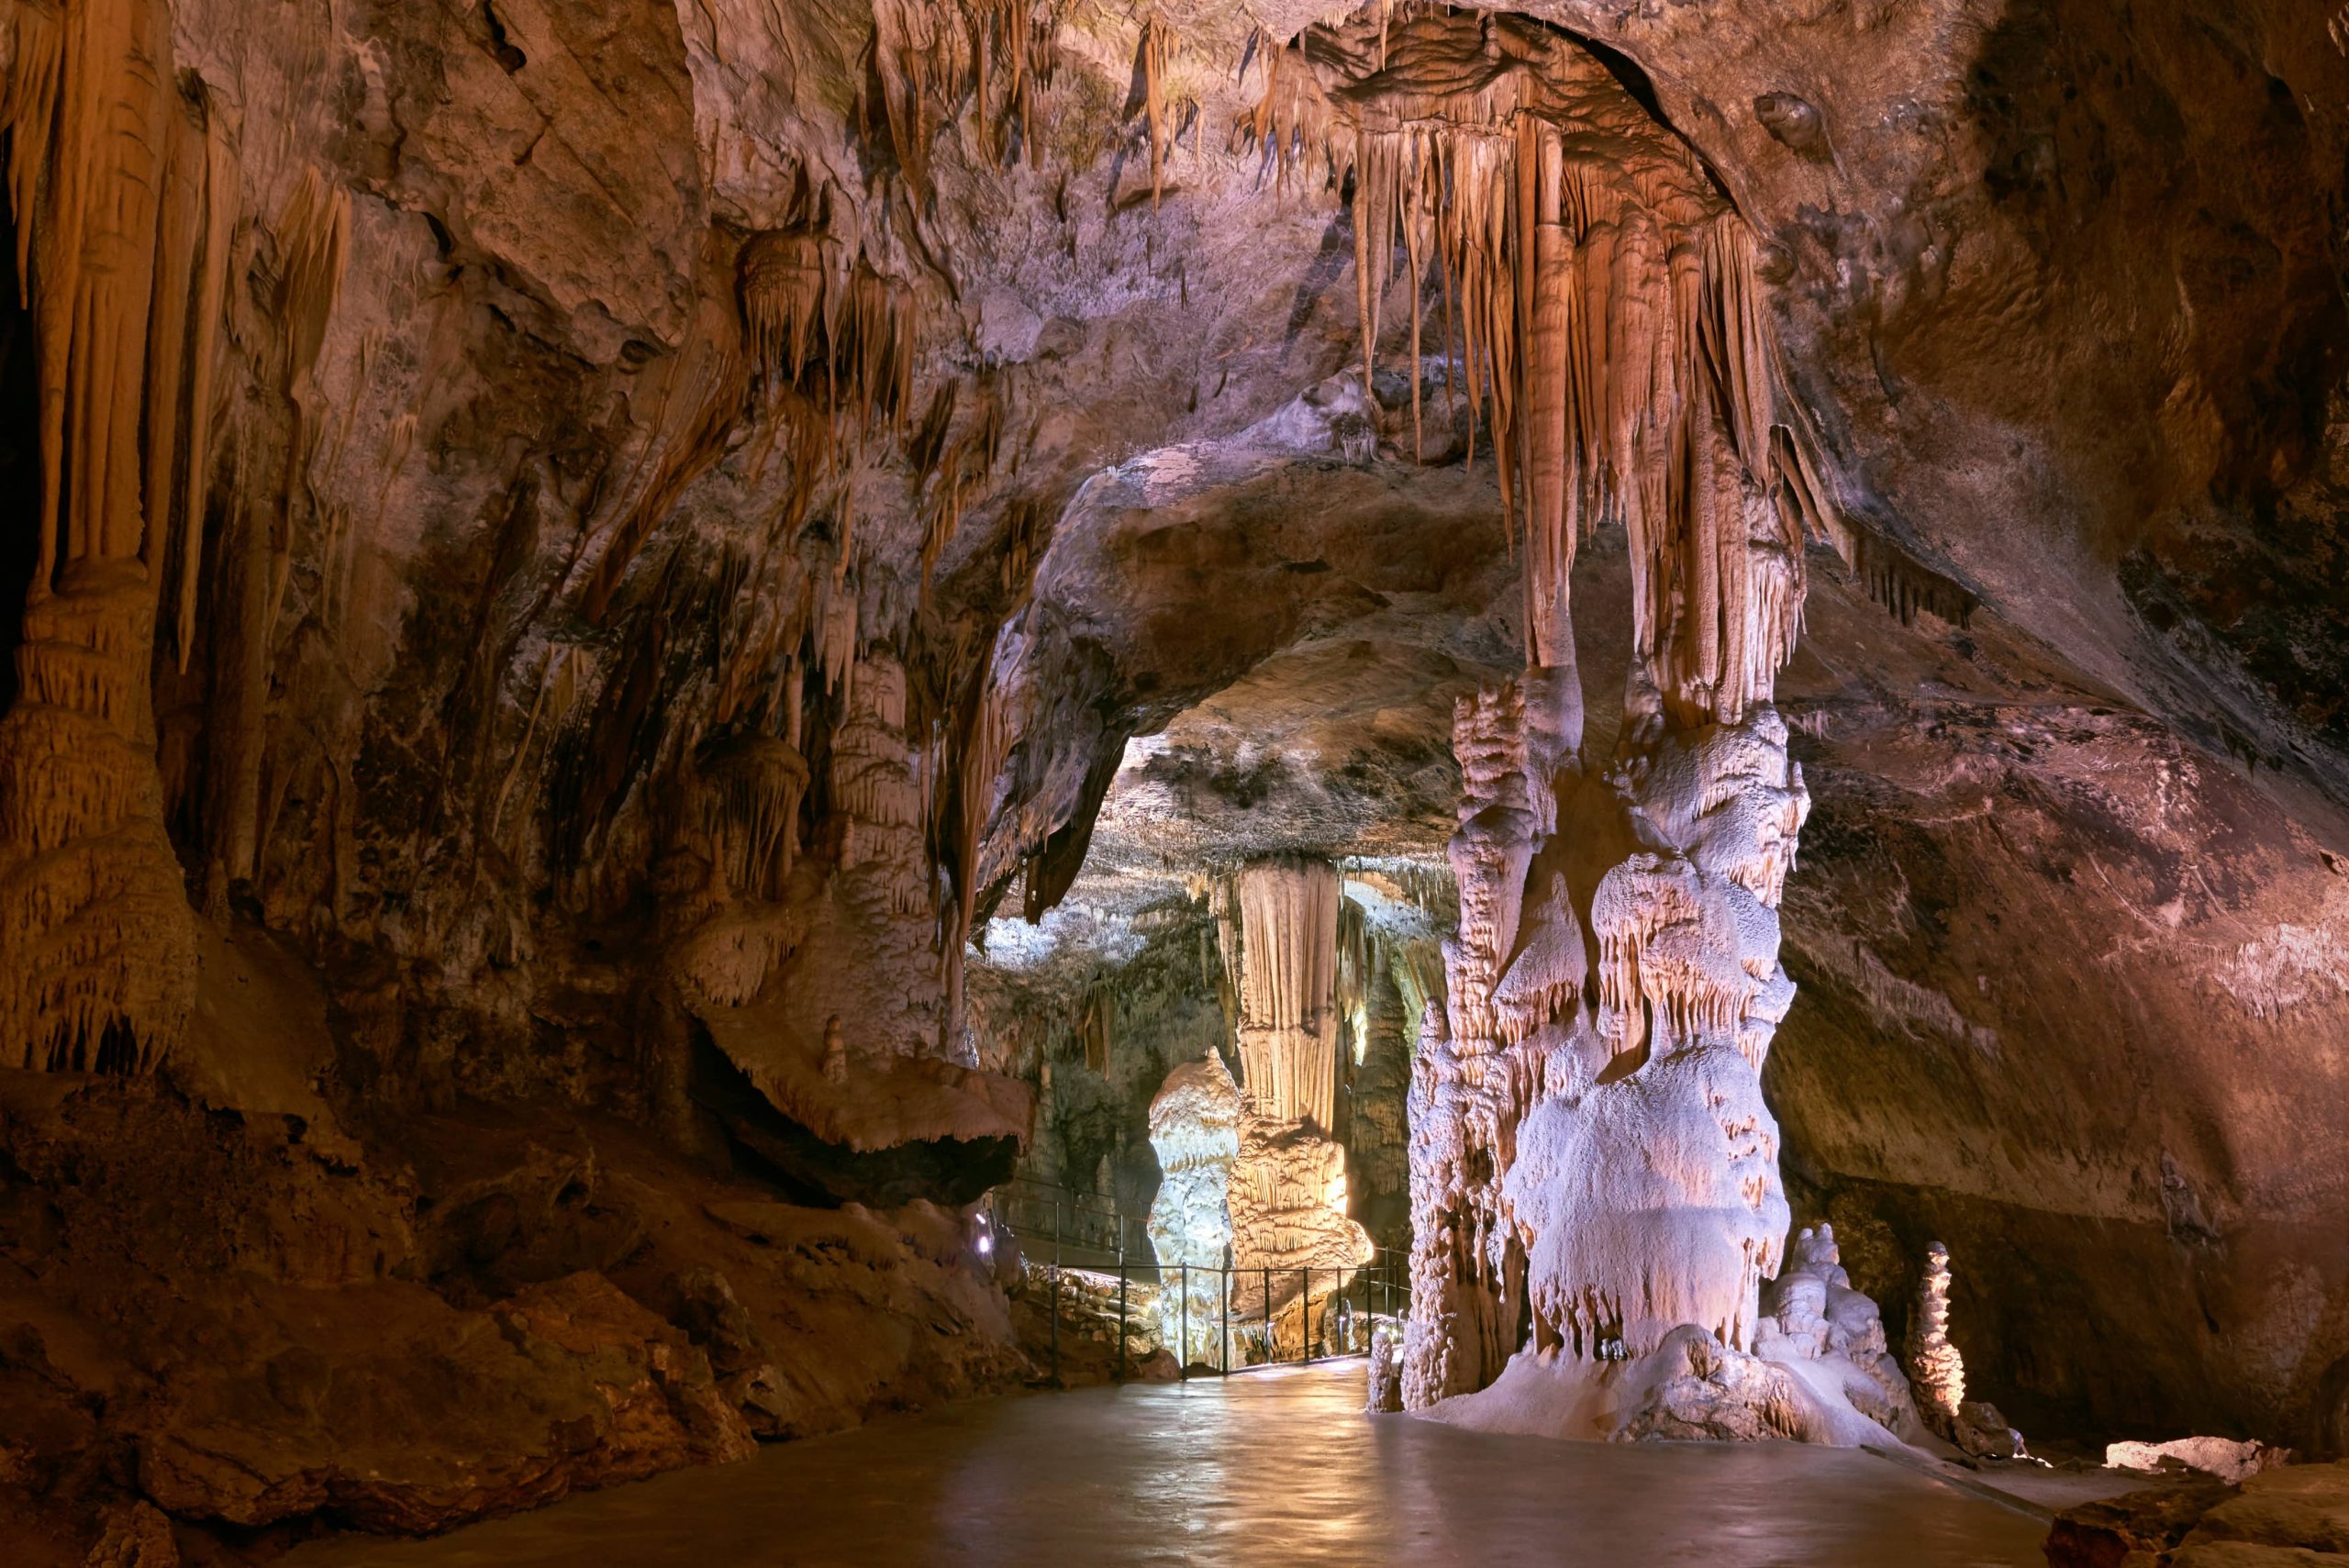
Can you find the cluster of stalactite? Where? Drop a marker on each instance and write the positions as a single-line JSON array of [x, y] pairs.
[[123, 191], [1599, 312], [933, 59], [1590, 1151], [131, 216]]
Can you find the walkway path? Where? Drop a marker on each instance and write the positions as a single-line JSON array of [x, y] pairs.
[[1267, 1468]]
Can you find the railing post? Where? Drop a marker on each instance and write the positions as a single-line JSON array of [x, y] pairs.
[[1183, 1345], [1056, 1312], [1271, 1345], [1223, 1333]]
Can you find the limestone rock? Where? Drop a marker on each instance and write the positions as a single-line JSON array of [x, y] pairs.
[[2221, 1457], [135, 1535], [569, 1384], [2139, 1530], [2290, 1514]]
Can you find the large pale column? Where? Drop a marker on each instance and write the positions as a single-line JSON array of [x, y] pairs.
[[1590, 1151]]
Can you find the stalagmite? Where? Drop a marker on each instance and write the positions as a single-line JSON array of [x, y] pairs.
[[1195, 1130], [1935, 1369], [1938, 1372]]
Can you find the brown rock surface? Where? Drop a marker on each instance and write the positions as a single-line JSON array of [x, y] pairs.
[[2295, 1514]]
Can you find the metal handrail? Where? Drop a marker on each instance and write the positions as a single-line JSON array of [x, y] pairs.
[[1065, 1217], [1361, 1298]]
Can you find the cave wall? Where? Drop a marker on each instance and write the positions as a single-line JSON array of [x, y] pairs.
[[2130, 1136]]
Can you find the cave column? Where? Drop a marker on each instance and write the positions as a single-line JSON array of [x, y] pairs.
[[1287, 1187], [118, 196], [1592, 1164]]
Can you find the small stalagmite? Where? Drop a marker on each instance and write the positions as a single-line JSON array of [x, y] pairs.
[[1935, 1369]]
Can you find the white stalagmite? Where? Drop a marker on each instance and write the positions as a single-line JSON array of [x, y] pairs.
[[1195, 1132]]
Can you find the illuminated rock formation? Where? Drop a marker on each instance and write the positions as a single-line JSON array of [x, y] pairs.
[[1936, 1371], [122, 192], [601, 539], [1195, 1130], [1287, 980], [1590, 1145], [1289, 1222], [1832, 1337], [1939, 1374]]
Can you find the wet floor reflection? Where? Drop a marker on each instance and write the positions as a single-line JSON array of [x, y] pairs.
[[1278, 1468]]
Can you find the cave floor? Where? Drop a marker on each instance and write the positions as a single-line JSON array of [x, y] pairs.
[[1273, 1468]]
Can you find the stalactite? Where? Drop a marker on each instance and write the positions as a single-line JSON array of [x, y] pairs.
[[1158, 41], [697, 396], [923, 55], [749, 789], [876, 792], [821, 320], [834, 343], [220, 177], [1292, 117], [1613, 337], [982, 747], [953, 472], [311, 238]]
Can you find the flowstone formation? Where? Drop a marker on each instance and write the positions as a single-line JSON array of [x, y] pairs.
[[1832, 1336]]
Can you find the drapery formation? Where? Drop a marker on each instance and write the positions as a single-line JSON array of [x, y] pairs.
[[1288, 968]]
